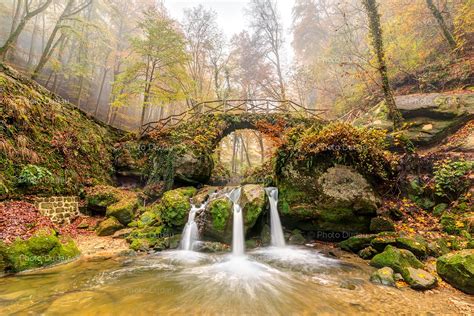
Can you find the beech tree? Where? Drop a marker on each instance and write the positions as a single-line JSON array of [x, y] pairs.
[[155, 69], [375, 30], [26, 10]]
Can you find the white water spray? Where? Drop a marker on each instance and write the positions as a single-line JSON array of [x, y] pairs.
[[238, 247], [190, 231], [278, 240]]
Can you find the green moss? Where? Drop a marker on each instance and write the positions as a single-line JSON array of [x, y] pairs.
[[397, 259], [220, 210], [458, 269], [451, 223], [42, 249], [102, 196], [124, 209], [174, 206], [356, 243], [417, 245], [109, 226]]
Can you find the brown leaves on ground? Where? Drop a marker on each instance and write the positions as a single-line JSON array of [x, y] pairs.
[[21, 220]]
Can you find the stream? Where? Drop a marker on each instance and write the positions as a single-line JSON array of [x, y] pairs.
[[277, 281]]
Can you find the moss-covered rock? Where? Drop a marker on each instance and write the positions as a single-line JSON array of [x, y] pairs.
[[356, 243], [384, 239], [108, 227], [381, 224], [124, 209], [116, 202], [211, 246], [420, 279], [42, 249], [216, 221], [175, 206], [338, 199], [252, 201], [458, 269], [367, 253], [296, 238], [397, 259], [438, 247], [417, 245], [383, 276]]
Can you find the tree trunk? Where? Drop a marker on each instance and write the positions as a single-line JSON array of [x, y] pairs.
[[442, 24], [100, 91], [376, 37]]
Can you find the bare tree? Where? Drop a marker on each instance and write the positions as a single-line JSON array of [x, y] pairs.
[[267, 26], [24, 8]]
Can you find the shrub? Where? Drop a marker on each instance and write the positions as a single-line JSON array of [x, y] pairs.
[[451, 178], [33, 175]]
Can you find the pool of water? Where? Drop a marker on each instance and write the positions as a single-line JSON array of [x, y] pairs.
[[269, 281]]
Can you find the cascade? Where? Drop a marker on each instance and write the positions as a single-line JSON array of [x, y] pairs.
[[190, 231], [238, 240], [277, 237]]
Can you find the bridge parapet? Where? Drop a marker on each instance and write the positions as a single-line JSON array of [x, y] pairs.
[[233, 106]]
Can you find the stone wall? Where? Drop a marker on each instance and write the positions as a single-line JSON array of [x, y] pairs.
[[60, 209]]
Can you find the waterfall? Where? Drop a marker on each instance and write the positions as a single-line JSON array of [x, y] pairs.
[[190, 231], [238, 240], [278, 240]]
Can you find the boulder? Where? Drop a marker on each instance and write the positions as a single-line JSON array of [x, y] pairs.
[[438, 247], [337, 199], [266, 235], [124, 209], [109, 227], [175, 205], [397, 259], [215, 223], [296, 238], [384, 239], [210, 246], [356, 243], [430, 117], [417, 245], [419, 279], [192, 169], [458, 269], [381, 224], [383, 276], [343, 187], [367, 253]]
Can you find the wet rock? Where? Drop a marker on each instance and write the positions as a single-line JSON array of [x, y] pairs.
[[266, 235], [397, 259], [417, 245], [215, 223], [457, 269], [367, 253], [108, 227], [203, 194], [356, 243], [381, 224], [383, 276], [174, 206], [210, 246], [420, 279], [250, 244], [296, 238]]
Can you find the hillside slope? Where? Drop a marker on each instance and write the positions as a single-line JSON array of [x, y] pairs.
[[47, 146]]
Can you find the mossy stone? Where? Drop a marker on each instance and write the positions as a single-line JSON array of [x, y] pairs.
[[417, 245], [383, 239], [123, 210], [397, 259], [420, 279], [457, 269], [220, 210], [381, 224], [109, 226], [356, 243], [42, 249], [383, 276], [175, 206], [367, 253]]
